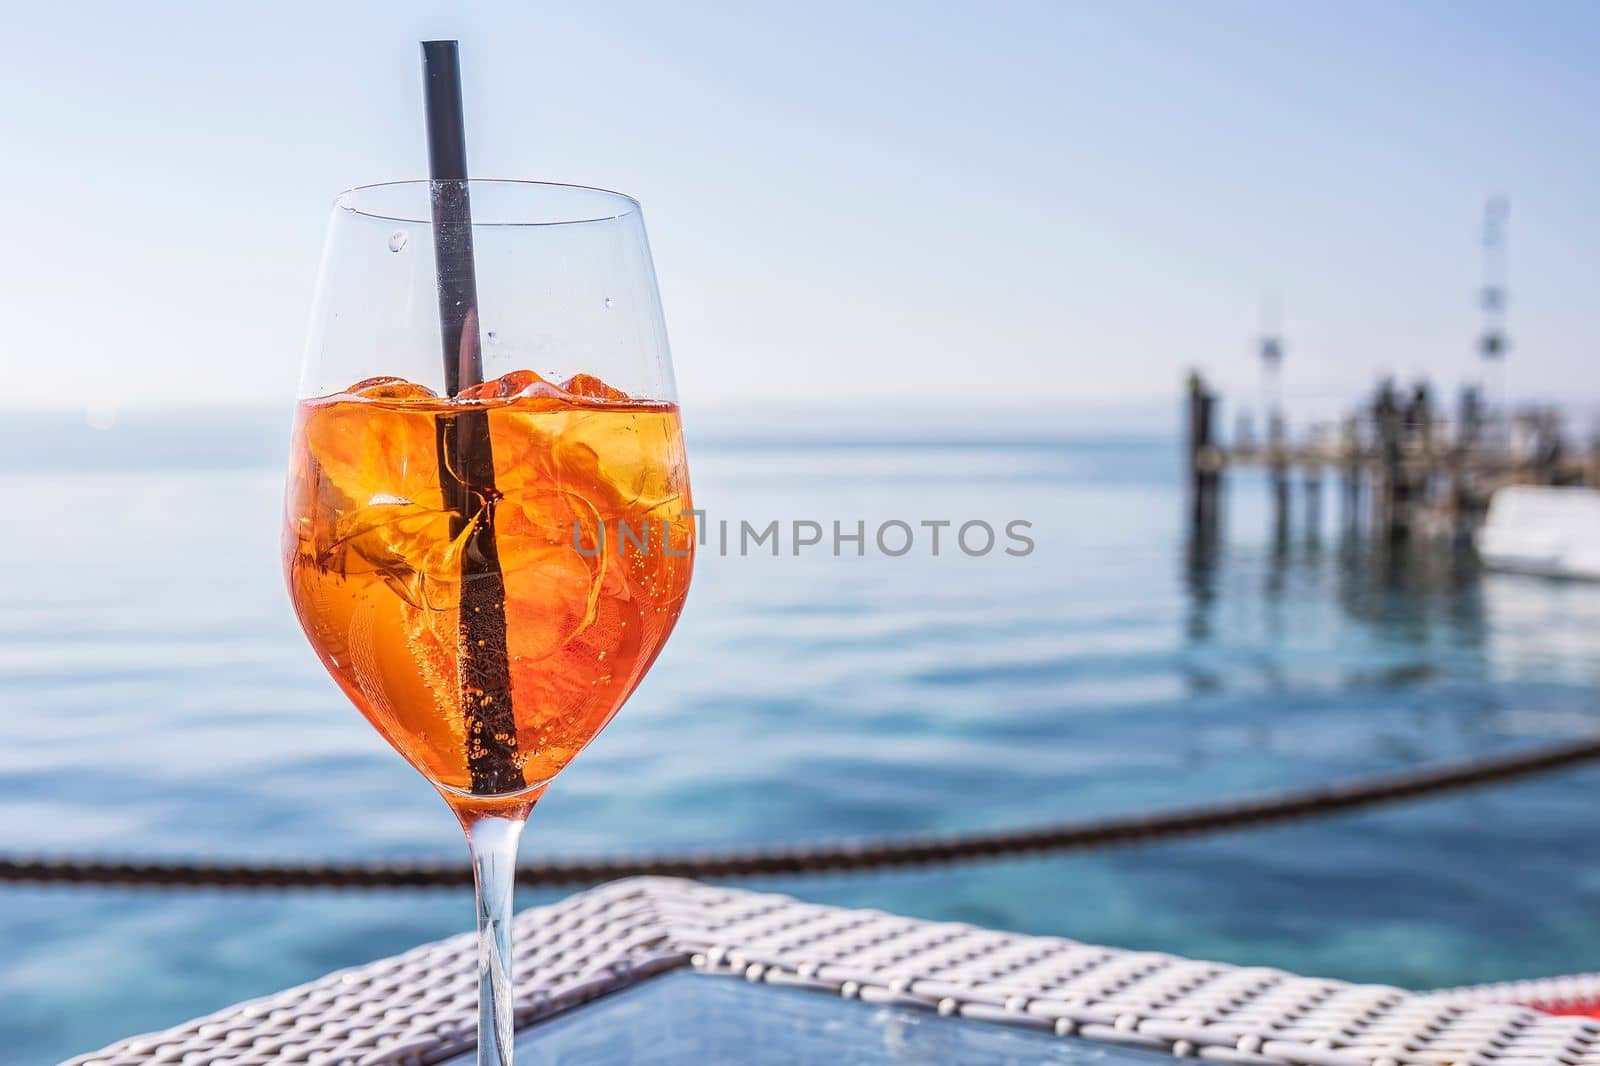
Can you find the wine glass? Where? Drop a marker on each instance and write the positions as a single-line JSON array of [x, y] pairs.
[[488, 535]]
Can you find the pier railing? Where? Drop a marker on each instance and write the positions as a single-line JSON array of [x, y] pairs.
[[1418, 469]]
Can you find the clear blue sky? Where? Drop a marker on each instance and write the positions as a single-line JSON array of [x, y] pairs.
[[921, 200]]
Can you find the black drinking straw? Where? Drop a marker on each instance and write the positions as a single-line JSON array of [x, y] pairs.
[[466, 457], [452, 215]]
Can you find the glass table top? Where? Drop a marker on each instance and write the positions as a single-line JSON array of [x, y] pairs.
[[686, 1017]]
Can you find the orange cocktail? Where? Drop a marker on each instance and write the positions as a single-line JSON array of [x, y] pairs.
[[589, 516]]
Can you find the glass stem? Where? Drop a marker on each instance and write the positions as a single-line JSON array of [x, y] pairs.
[[493, 840]]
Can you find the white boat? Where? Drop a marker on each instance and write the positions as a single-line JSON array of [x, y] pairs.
[[1553, 532]]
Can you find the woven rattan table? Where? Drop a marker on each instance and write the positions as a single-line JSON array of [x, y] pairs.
[[420, 1007]]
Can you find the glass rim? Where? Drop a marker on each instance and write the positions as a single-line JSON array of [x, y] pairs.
[[344, 201]]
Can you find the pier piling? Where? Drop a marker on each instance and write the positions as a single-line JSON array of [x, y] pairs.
[[1205, 459]]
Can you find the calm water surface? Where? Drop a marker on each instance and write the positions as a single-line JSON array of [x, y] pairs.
[[157, 699]]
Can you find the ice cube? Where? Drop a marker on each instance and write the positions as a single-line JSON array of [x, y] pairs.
[[591, 388], [388, 387], [516, 383], [405, 544], [360, 452]]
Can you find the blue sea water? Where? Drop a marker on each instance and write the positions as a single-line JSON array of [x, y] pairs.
[[157, 699]]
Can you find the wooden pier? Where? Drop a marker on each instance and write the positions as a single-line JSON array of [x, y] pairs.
[[1418, 470]]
